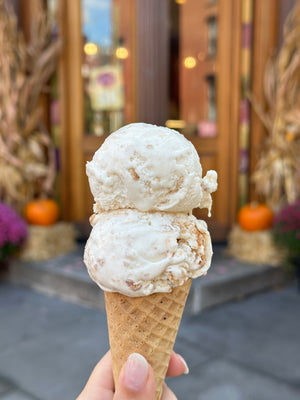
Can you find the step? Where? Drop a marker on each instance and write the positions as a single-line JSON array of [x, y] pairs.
[[227, 280]]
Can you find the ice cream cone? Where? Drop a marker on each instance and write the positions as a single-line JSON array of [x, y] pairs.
[[147, 325], [145, 239]]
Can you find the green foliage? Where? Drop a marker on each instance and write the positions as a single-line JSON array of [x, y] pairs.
[[286, 229]]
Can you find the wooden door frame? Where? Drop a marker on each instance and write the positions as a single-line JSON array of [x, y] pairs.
[[72, 110], [228, 99]]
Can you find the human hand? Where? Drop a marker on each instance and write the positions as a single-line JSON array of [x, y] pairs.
[[136, 380]]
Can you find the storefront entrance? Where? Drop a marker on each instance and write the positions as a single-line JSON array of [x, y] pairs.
[[173, 62]]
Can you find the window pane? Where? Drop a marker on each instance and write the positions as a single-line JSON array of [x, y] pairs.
[[104, 54]]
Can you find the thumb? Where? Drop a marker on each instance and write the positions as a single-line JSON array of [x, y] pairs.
[[136, 380]]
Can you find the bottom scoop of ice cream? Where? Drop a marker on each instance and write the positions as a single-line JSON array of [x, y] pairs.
[[137, 254]]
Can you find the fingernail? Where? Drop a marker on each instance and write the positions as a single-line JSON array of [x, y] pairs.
[[136, 372], [186, 371]]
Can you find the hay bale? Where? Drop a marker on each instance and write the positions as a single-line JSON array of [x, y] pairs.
[[254, 247], [45, 242]]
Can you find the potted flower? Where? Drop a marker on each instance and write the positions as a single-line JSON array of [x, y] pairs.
[[13, 232], [286, 232]]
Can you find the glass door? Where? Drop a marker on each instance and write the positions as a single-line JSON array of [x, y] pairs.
[[173, 62], [104, 65]]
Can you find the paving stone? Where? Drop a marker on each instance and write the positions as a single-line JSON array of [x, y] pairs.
[[59, 363], [187, 350], [4, 385], [60, 341], [33, 313], [261, 332], [17, 395], [224, 380], [242, 350]]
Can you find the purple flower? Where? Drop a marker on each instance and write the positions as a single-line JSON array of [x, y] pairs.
[[13, 229]]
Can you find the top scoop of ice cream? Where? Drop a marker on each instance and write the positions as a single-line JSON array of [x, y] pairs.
[[149, 168]]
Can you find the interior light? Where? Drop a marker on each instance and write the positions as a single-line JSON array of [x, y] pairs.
[[122, 53], [190, 62], [90, 48], [175, 123], [180, 1]]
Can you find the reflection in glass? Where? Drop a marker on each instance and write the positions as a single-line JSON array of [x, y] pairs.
[[211, 95], [212, 36], [102, 69]]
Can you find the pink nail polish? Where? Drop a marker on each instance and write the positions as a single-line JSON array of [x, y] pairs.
[[186, 371], [136, 372]]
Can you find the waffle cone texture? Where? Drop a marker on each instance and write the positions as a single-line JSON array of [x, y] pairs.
[[147, 325]]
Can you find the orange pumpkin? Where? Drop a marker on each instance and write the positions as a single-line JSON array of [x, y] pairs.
[[41, 212], [255, 217]]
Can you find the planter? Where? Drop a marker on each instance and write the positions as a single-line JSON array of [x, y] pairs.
[[296, 264], [4, 264]]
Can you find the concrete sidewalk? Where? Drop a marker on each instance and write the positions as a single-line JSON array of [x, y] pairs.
[[247, 350]]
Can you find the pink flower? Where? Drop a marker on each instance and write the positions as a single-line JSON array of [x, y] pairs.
[[13, 228]]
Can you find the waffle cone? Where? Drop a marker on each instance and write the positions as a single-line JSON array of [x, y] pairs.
[[147, 325]]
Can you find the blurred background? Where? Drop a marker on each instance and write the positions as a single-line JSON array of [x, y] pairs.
[[197, 66], [226, 74]]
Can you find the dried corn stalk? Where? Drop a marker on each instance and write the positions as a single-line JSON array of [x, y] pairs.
[[277, 176], [27, 162]]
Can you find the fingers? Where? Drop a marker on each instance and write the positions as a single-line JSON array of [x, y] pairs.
[[177, 365], [168, 394], [136, 380], [100, 382]]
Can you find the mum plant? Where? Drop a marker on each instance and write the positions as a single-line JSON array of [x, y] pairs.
[[13, 231], [286, 230]]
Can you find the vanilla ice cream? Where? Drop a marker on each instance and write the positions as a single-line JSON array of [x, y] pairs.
[[137, 253], [149, 168], [146, 180]]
